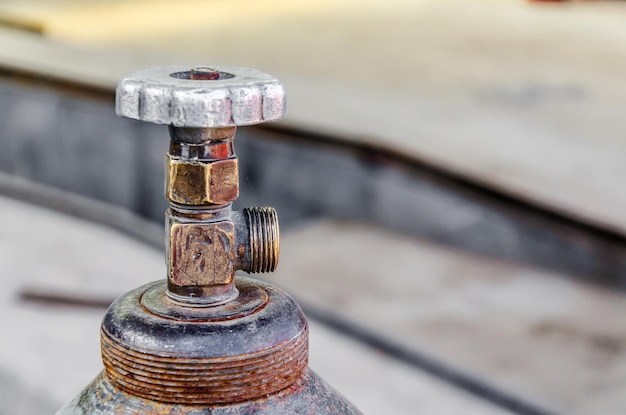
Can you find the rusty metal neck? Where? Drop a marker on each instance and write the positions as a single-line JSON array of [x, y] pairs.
[[252, 347]]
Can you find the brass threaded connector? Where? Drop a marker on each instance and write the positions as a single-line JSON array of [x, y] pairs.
[[264, 238]]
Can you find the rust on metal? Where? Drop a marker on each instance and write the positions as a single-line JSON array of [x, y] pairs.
[[204, 74], [198, 183], [224, 180], [179, 379], [247, 349], [308, 395], [202, 254]]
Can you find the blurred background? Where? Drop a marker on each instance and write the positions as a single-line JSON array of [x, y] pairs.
[[449, 177]]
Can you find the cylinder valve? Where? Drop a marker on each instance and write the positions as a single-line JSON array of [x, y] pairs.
[[204, 341]]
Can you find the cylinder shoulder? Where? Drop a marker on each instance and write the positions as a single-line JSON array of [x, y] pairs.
[[311, 395]]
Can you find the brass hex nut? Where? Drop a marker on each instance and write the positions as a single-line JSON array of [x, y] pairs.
[[193, 182], [201, 254]]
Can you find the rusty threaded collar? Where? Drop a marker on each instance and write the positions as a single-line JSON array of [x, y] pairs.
[[211, 358], [177, 379]]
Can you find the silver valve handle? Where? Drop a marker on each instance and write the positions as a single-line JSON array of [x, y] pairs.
[[203, 97]]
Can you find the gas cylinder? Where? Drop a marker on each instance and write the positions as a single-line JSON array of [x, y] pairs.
[[203, 340]]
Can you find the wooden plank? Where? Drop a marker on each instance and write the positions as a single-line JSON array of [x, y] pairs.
[[485, 90], [550, 340]]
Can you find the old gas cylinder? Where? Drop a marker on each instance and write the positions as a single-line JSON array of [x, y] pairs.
[[203, 341]]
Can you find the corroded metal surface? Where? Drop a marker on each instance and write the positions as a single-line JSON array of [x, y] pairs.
[[202, 254], [206, 247], [309, 395], [238, 351], [198, 183], [201, 168]]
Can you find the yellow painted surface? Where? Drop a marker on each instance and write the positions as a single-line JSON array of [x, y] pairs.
[[116, 20]]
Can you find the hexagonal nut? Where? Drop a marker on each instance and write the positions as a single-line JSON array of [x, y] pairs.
[[192, 182], [201, 254]]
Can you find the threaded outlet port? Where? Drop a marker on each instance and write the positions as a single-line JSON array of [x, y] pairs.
[[264, 238]]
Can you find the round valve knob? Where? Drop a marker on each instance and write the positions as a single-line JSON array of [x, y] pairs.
[[201, 97]]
